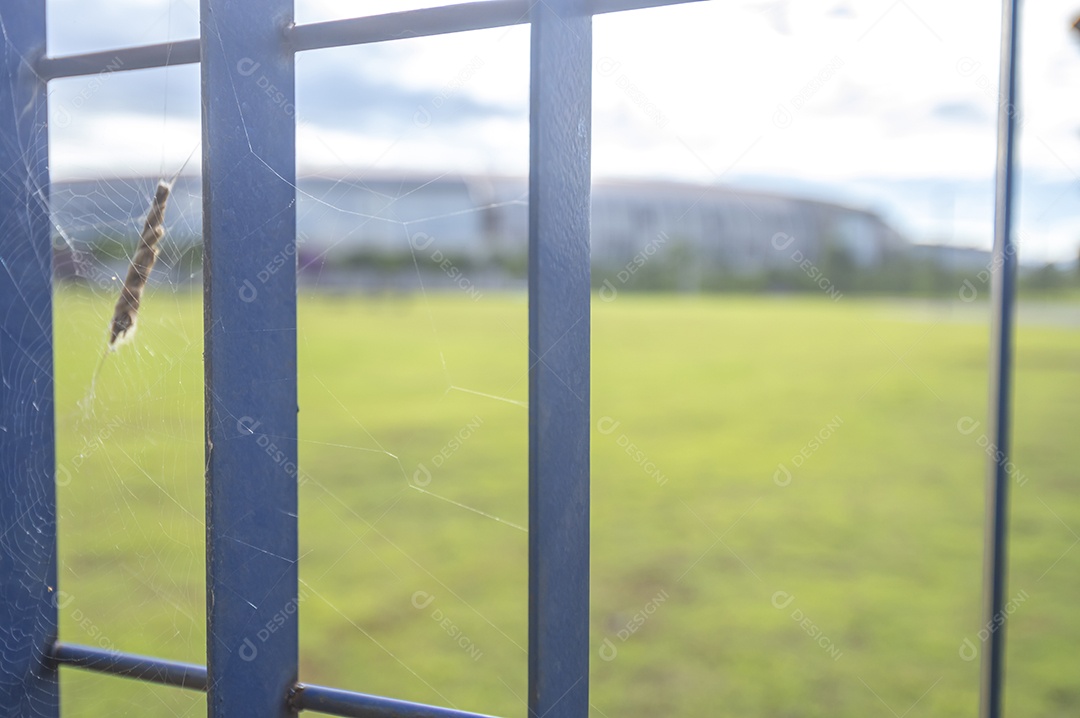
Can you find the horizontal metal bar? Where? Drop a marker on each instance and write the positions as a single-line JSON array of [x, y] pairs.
[[334, 33], [303, 696], [409, 23], [360, 705], [603, 7], [462, 17], [181, 52], [144, 668]]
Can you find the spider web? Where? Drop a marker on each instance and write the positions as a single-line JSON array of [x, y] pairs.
[[130, 437], [413, 399]]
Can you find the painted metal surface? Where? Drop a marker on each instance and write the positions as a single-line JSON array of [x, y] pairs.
[[246, 47], [1003, 298], [559, 299], [166, 54], [129, 665], [440, 20], [249, 224], [359, 705], [28, 681]]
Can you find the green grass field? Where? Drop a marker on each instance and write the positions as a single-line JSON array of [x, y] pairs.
[[785, 512]]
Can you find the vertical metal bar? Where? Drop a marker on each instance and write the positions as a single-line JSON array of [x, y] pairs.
[[1003, 297], [559, 185], [28, 681], [249, 226]]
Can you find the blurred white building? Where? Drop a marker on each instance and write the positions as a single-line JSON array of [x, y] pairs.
[[479, 218]]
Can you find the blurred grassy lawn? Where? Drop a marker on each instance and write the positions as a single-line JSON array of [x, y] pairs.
[[876, 540]]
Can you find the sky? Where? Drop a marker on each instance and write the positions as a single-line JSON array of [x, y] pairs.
[[889, 105]]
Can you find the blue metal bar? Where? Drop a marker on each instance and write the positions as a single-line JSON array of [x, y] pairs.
[[334, 33], [462, 17], [409, 24], [559, 186], [143, 668], [28, 680], [249, 229], [359, 705], [1003, 297], [166, 54]]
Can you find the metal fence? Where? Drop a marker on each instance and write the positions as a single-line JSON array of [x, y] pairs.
[[248, 166]]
